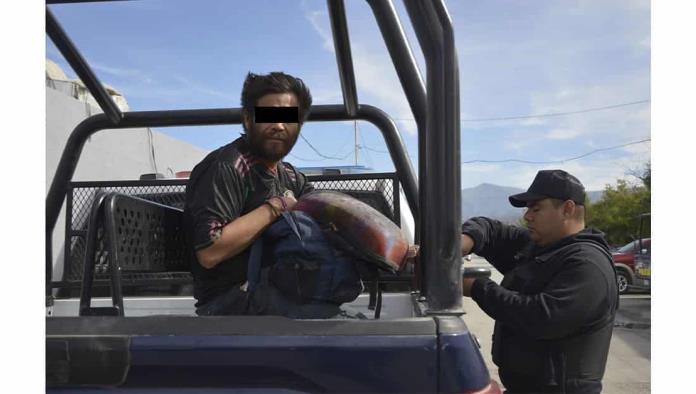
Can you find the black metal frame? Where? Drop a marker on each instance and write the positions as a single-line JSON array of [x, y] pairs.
[[96, 216], [440, 195], [344, 59], [89, 126], [68, 49], [71, 231], [435, 204], [111, 209]]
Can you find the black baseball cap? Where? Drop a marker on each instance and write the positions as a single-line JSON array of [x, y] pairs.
[[551, 184]]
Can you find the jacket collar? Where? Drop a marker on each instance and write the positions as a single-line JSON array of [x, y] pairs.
[[543, 254]]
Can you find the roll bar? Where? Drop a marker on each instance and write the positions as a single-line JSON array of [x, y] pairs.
[[434, 200]]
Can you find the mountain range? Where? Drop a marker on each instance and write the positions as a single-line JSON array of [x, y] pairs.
[[492, 201]]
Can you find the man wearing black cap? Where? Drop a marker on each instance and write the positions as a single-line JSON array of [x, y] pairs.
[[555, 307]]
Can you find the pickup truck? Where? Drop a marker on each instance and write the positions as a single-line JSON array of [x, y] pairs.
[[625, 260], [122, 319]]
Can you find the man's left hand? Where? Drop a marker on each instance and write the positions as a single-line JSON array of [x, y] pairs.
[[467, 283]]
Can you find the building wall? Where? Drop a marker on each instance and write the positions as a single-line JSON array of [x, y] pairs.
[[108, 154]]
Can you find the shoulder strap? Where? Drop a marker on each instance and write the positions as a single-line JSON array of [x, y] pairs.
[[288, 172], [254, 264], [256, 251]]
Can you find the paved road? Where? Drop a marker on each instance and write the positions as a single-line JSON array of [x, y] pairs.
[[628, 365]]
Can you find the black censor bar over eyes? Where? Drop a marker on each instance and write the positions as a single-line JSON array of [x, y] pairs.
[[276, 115]]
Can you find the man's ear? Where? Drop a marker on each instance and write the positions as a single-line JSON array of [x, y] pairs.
[[569, 208], [246, 119]]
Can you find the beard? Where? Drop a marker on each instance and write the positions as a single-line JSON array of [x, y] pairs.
[[271, 147]]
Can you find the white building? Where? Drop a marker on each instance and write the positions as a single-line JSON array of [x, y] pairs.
[[109, 154]]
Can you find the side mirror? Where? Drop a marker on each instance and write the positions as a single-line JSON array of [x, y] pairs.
[[643, 251], [476, 272]]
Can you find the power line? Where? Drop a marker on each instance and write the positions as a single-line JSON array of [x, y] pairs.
[[323, 155], [367, 148], [367, 152], [557, 161], [373, 150], [547, 115], [315, 160]]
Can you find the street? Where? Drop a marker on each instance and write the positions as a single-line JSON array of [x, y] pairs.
[[628, 365]]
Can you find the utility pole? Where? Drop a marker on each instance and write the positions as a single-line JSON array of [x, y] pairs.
[[355, 133]]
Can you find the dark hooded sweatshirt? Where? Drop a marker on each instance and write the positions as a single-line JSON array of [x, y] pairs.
[[554, 309]]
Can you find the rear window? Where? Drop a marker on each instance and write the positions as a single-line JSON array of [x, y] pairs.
[[629, 247], [633, 246]]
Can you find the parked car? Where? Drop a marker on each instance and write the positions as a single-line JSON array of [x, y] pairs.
[[624, 261]]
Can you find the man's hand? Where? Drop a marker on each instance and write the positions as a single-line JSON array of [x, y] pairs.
[[290, 201], [467, 283], [467, 244], [411, 254], [238, 234], [282, 203]]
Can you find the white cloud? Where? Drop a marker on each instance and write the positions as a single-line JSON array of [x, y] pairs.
[[563, 134], [480, 167], [594, 174], [535, 72], [515, 145], [641, 148], [533, 122], [375, 76], [121, 72], [323, 95], [191, 85], [623, 123], [318, 19]]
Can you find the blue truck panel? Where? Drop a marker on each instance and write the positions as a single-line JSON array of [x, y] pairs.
[[245, 353], [304, 363], [461, 364]]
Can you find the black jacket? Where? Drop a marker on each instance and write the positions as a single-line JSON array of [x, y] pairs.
[[554, 309]]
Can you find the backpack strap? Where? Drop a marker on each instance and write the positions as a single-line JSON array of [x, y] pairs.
[[256, 252], [254, 264]]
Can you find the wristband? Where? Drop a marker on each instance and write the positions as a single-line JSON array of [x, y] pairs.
[[273, 208], [282, 201]]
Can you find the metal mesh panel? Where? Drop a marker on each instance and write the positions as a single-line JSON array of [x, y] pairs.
[[83, 196], [384, 186], [146, 237], [78, 247], [172, 193]]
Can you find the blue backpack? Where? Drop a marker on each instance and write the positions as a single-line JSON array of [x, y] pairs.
[[303, 264]]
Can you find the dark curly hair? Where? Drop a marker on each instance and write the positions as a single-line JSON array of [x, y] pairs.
[[257, 86]]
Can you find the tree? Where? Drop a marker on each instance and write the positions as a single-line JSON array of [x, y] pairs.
[[616, 213], [643, 174]]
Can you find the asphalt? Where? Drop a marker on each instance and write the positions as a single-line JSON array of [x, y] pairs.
[[628, 364]]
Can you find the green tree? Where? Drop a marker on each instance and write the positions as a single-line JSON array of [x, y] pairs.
[[643, 174], [616, 213]]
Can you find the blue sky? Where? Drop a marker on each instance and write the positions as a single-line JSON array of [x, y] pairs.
[[516, 58]]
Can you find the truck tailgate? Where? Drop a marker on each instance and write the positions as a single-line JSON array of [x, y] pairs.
[[243, 352]]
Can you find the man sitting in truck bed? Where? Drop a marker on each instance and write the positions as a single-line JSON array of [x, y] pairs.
[[238, 190]]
